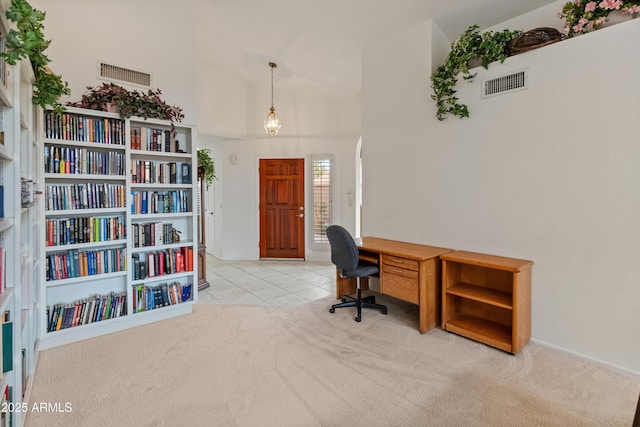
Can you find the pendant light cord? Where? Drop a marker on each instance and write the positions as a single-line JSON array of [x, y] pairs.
[[272, 65]]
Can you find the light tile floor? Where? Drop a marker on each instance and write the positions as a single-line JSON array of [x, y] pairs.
[[276, 283]]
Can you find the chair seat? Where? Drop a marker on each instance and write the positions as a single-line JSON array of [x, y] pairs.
[[363, 269]]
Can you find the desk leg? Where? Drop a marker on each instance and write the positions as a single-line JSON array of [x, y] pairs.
[[348, 286], [429, 294]]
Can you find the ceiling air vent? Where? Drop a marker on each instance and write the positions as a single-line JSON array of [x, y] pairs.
[[504, 84], [113, 72]]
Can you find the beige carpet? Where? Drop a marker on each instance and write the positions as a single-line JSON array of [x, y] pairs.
[[229, 365]]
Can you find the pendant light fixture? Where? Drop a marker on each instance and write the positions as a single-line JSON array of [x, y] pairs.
[[272, 124]]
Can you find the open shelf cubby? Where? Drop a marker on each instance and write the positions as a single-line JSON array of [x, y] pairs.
[[487, 298]]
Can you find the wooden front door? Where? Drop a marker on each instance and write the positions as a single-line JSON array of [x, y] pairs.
[[282, 208]]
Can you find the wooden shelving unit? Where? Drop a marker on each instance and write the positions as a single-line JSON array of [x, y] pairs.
[[487, 298]]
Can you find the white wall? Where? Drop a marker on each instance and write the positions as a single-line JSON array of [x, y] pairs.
[[222, 103], [228, 113], [125, 34], [548, 174], [312, 125], [231, 115]]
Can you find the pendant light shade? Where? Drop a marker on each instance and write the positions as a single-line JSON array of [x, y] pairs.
[[272, 124]]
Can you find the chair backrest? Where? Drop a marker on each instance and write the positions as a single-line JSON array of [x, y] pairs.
[[344, 251]]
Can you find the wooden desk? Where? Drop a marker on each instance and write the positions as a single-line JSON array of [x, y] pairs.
[[408, 271]]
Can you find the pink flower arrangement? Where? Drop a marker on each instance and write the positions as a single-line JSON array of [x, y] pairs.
[[582, 16]]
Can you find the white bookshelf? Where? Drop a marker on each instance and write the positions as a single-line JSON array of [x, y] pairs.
[[71, 290], [19, 227]]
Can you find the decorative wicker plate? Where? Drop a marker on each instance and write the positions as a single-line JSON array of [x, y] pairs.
[[534, 39]]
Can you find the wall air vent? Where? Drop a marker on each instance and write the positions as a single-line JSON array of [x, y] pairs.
[[511, 82], [125, 75]]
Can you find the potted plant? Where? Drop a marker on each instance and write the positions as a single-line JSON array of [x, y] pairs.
[[582, 16], [484, 47], [27, 40], [127, 103], [206, 166]]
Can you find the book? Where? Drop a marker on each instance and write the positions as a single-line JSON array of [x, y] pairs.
[[7, 342], [164, 294], [173, 172], [25, 374], [5, 415], [186, 292], [9, 396], [158, 226], [186, 173], [144, 202], [1, 201], [3, 269], [151, 272]]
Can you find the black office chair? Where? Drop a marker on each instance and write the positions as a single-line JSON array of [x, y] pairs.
[[344, 254]]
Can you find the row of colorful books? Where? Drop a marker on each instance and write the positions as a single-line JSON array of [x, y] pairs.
[[76, 160], [147, 297], [153, 234], [154, 202], [88, 229], [89, 310], [89, 195], [154, 139], [149, 172], [158, 263], [75, 263], [75, 127]]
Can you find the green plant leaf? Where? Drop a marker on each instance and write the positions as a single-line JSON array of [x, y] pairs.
[[27, 41], [488, 46], [207, 164]]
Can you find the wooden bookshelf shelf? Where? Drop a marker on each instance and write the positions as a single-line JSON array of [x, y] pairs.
[[487, 298], [480, 329], [482, 294]]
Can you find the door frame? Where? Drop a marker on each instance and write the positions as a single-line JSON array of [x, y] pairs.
[[305, 161]]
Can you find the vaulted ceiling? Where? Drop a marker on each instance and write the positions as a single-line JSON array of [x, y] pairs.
[[318, 44]]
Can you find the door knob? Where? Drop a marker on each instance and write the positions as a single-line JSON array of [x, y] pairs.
[[301, 215]]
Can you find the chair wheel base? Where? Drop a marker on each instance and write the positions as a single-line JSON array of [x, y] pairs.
[[359, 303]]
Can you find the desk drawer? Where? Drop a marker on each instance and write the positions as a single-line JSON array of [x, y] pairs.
[[400, 283], [395, 261]]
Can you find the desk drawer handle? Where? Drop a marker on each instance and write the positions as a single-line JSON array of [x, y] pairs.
[[395, 270], [398, 260]]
